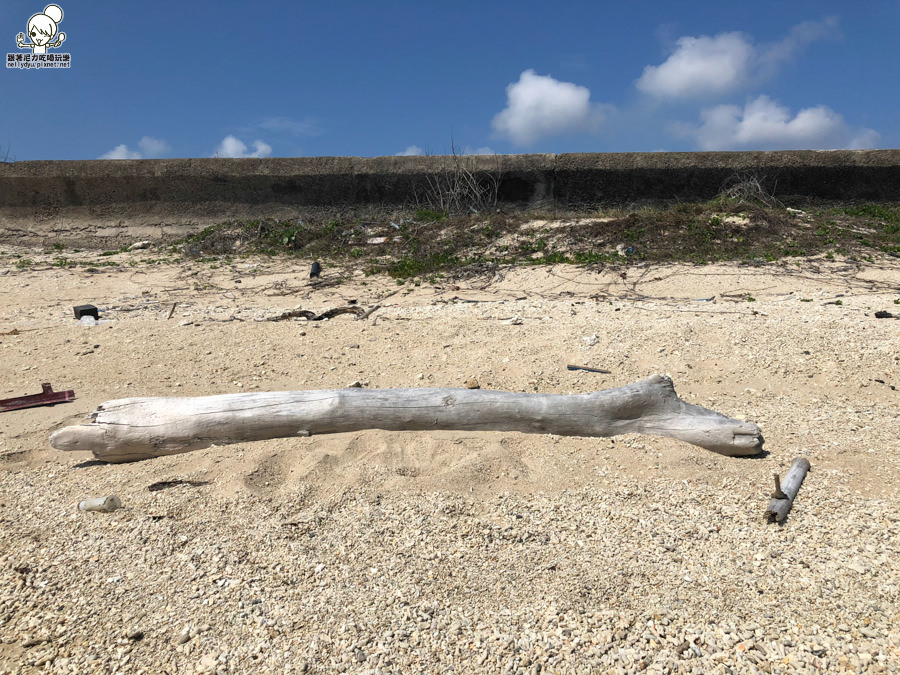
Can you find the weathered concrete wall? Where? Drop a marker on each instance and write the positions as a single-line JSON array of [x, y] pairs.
[[114, 201], [838, 175]]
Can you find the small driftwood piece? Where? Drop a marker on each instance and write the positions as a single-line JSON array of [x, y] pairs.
[[785, 493], [573, 366], [328, 314], [139, 428]]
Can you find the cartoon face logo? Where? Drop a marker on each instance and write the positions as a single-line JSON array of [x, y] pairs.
[[42, 28]]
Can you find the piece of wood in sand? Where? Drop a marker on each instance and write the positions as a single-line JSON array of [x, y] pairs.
[[139, 428], [786, 492]]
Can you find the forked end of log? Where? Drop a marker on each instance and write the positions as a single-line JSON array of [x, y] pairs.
[[139, 428]]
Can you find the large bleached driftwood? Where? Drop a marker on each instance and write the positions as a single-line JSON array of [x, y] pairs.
[[130, 429]]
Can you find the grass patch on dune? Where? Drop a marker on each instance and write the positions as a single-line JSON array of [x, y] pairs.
[[424, 242]]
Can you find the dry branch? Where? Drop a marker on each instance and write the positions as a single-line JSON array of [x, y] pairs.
[[786, 492], [139, 428], [359, 312]]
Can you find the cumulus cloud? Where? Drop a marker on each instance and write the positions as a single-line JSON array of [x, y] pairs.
[[539, 105], [763, 124], [150, 148], [153, 147], [234, 147], [121, 152], [700, 66], [410, 151], [708, 66]]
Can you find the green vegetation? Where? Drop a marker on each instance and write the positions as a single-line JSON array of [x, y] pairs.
[[734, 227], [60, 261], [427, 243], [887, 214], [430, 216], [116, 252]]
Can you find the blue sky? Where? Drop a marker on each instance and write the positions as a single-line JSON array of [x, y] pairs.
[[199, 78]]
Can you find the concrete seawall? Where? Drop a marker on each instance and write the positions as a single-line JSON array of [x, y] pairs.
[[117, 201]]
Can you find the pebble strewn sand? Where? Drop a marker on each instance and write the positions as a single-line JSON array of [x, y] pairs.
[[381, 552]]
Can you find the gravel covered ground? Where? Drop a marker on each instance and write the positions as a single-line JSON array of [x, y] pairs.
[[449, 552]]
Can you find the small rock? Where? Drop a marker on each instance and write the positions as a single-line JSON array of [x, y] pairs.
[[135, 634], [472, 383], [356, 384], [515, 321], [183, 636], [44, 658], [590, 340], [139, 245], [207, 664], [102, 504]]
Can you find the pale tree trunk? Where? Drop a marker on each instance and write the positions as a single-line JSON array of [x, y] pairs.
[[138, 428]]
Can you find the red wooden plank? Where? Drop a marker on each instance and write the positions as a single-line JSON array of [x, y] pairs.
[[47, 397]]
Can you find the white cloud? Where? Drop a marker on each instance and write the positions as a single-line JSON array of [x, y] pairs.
[[484, 150], [539, 106], [150, 148], [153, 147], [410, 151], [763, 124], [801, 35], [700, 66], [708, 66], [234, 147], [121, 152]]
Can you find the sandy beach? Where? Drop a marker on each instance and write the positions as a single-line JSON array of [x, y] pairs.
[[408, 552]]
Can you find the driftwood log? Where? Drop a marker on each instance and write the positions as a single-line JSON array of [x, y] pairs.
[[786, 492], [139, 428]]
